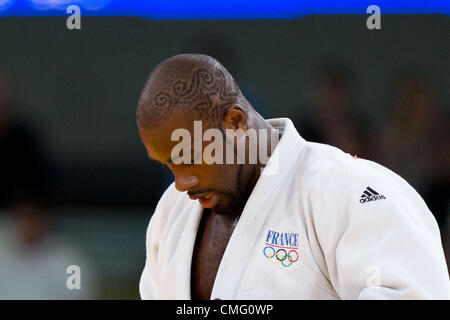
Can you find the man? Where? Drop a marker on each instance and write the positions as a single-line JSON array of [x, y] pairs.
[[311, 223]]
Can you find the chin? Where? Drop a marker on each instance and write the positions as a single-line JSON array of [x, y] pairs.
[[228, 208]]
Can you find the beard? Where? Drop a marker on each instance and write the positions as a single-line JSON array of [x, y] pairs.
[[234, 201]]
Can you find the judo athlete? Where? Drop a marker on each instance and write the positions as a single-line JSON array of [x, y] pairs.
[[312, 222]]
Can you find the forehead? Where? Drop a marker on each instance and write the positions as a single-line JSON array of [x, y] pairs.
[[157, 140]]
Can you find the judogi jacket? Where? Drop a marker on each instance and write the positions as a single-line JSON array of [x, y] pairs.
[[319, 224]]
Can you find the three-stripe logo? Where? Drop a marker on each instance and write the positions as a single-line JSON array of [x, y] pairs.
[[370, 195]]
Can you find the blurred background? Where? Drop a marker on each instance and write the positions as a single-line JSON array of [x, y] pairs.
[[76, 186]]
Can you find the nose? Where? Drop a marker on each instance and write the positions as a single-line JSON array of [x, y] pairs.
[[185, 182]]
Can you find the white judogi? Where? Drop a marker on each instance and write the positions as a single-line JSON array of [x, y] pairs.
[[324, 226]]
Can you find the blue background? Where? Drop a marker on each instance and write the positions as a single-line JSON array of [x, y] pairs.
[[207, 9]]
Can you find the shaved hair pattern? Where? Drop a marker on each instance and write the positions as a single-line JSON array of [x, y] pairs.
[[207, 90]]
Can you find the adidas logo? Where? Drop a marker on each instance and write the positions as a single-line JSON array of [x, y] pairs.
[[370, 195]]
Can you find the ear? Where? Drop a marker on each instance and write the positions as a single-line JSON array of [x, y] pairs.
[[235, 118]]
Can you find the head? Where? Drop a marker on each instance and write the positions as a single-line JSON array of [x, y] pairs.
[[188, 88]]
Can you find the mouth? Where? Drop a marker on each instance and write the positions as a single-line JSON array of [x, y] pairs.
[[207, 199], [196, 196]]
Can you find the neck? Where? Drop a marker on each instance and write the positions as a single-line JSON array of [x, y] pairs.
[[256, 121]]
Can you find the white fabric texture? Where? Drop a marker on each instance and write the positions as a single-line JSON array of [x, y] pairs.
[[305, 233]]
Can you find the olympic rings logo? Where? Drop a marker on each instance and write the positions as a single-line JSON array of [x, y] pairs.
[[286, 258]]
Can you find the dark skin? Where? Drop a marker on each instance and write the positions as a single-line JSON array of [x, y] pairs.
[[212, 238], [232, 183]]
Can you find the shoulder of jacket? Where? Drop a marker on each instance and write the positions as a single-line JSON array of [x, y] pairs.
[[333, 172], [320, 160]]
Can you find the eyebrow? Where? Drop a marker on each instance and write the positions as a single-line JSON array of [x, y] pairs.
[[176, 157]]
